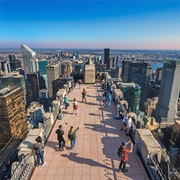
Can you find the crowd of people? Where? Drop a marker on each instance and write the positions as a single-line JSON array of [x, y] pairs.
[[71, 137]]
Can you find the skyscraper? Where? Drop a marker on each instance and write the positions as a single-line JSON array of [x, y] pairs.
[[29, 56], [106, 57], [33, 86], [131, 93], [166, 108], [13, 122], [14, 79], [52, 74], [139, 73]]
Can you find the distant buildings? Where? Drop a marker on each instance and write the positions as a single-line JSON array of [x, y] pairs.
[[13, 122], [166, 109]]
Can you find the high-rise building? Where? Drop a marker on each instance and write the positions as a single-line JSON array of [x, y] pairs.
[[106, 57], [111, 63], [42, 66], [52, 74], [166, 108], [15, 64], [149, 105], [131, 93], [139, 73], [13, 123], [29, 57], [33, 86], [5, 67], [14, 79], [158, 75]]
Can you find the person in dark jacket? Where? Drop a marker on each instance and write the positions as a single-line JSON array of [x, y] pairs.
[[72, 136], [39, 151], [61, 137]]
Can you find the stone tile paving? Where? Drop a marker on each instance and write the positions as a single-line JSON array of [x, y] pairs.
[[95, 156]]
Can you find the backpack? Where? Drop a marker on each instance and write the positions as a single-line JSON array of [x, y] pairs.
[[120, 153]]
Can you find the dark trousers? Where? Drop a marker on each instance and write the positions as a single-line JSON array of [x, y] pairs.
[[61, 144], [122, 163]]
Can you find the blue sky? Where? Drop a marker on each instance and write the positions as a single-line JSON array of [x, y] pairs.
[[117, 24]]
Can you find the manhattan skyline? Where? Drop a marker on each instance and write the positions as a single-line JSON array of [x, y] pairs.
[[129, 24]]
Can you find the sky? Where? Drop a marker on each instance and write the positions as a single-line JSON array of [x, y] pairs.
[[94, 24]]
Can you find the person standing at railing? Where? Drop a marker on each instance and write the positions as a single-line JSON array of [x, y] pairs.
[[39, 151]]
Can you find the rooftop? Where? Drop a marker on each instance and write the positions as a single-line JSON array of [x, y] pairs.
[[95, 156]]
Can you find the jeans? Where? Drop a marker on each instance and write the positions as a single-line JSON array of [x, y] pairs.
[[122, 163], [61, 144], [40, 157], [73, 143]]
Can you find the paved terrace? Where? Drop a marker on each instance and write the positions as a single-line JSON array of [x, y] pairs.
[[95, 156]]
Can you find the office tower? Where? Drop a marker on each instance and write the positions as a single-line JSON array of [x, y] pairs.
[[166, 108], [111, 63], [139, 73], [52, 74], [29, 56], [34, 65], [12, 57], [13, 123], [33, 86], [14, 79], [149, 105], [15, 64], [119, 69], [131, 93], [43, 75], [5, 66], [64, 69], [106, 57], [158, 75], [77, 55]]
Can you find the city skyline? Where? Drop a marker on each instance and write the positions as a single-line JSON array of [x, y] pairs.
[[91, 24]]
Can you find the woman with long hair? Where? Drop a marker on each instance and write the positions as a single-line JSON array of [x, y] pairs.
[[72, 136]]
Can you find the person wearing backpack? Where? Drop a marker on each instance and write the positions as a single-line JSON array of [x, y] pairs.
[[124, 155], [84, 96], [72, 136], [61, 138]]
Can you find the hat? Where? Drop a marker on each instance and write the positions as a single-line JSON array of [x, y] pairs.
[[124, 143]]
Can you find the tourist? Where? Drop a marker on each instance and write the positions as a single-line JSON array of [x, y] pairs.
[[66, 101], [84, 96], [39, 151], [124, 121], [122, 165], [61, 138], [72, 136], [75, 106]]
